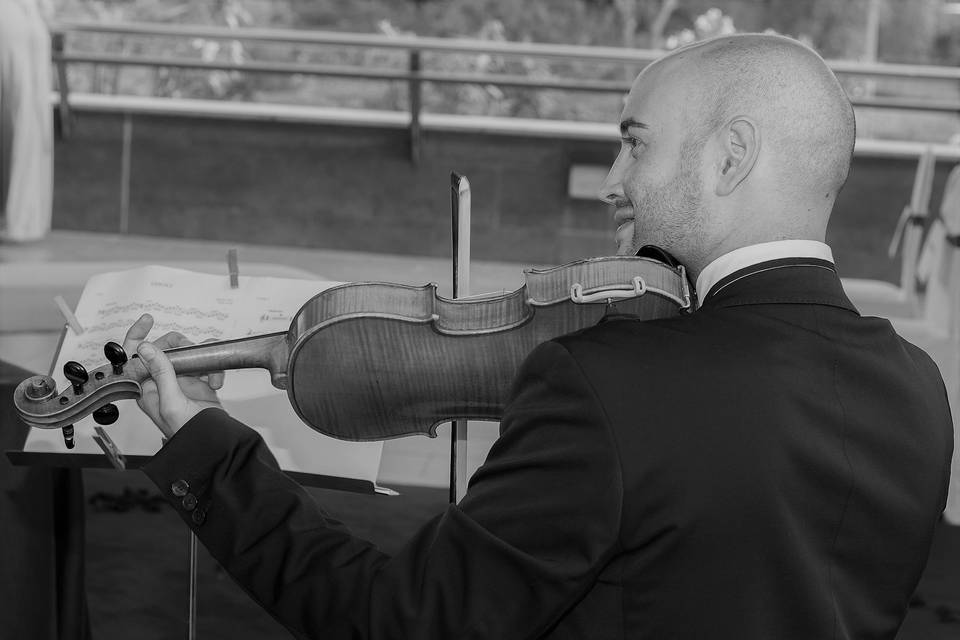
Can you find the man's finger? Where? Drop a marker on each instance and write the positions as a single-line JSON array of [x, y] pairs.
[[164, 376], [137, 332], [171, 340], [215, 380]]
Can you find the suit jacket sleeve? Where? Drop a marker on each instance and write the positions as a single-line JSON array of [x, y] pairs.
[[540, 519]]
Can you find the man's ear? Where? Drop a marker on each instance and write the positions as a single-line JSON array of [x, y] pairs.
[[740, 147]]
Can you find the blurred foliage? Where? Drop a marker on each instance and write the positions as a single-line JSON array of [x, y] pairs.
[[485, 99], [162, 81], [711, 24], [909, 31], [568, 21]]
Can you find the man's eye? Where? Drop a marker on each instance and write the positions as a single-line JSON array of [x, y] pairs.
[[634, 143]]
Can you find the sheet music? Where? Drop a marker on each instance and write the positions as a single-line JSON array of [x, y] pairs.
[[203, 306]]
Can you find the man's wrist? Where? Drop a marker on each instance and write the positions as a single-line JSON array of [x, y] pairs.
[[189, 420]]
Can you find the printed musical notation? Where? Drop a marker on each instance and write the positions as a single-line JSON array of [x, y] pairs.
[[273, 315], [151, 306]]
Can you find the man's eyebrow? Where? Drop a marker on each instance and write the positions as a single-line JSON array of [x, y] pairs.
[[630, 123]]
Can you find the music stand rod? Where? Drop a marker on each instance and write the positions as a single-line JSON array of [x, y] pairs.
[[460, 205], [192, 605]]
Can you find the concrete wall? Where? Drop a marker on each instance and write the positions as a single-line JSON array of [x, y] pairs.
[[354, 187]]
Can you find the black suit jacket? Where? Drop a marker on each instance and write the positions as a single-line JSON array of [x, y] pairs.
[[768, 467]]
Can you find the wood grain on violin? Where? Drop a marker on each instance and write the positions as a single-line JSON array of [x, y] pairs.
[[371, 361]]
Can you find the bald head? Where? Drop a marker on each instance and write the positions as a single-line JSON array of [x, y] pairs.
[[806, 119], [730, 142]]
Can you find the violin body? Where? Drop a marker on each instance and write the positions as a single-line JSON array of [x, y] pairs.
[[432, 359], [372, 361]]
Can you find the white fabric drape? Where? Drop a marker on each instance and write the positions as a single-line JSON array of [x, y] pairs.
[[26, 127]]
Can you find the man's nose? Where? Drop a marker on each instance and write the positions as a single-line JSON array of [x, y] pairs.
[[611, 190]]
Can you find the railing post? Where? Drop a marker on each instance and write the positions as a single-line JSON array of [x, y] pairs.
[[414, 93], [64, 124]]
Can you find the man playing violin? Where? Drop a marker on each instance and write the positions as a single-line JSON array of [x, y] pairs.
[[771, 465]]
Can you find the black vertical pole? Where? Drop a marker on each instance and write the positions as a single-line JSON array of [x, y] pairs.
[[415, 100], [455, 217], [62, 124]]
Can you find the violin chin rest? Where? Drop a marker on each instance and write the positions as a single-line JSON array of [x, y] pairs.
[[654, 252]]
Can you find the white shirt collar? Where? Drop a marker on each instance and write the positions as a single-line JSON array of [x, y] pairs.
[[755, 254]]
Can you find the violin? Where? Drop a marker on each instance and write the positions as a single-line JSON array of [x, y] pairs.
[[373, 361]]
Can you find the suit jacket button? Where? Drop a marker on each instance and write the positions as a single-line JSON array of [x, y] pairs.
[[180, 488], [199, 515], [189, 502]]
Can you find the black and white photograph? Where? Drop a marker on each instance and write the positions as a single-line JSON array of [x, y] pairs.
[[480, 319]]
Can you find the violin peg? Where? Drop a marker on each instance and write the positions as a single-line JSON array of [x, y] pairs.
[[107, 414], [68, 436], [116, 355], [77, 374]]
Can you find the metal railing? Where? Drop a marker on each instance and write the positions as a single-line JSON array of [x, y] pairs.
[[415, 75]]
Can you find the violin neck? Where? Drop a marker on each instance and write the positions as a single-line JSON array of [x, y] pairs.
[[268, 351]]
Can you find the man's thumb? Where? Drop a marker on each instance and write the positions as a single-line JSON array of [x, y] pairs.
[[160, 369]]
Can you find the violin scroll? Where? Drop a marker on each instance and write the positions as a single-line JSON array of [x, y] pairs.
[[41, 405]]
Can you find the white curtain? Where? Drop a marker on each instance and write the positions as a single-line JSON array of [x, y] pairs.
[[26, 127]]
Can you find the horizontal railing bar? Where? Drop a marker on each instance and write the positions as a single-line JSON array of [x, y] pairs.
[[257, 67], [610, 86], [376, 41], [905, 103], [353, 71], [895, 70]]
